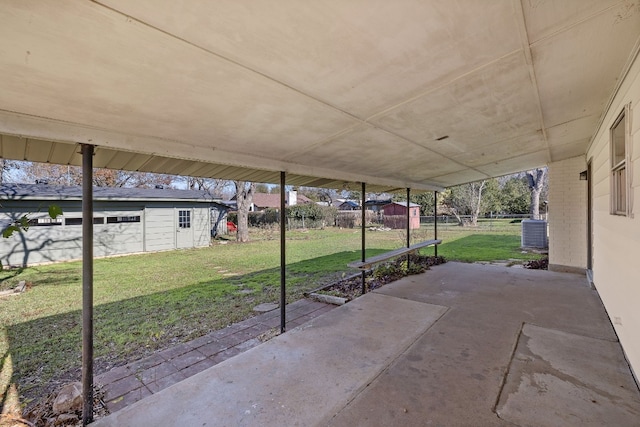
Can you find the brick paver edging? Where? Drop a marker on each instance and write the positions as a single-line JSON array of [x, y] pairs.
[[127, 384]]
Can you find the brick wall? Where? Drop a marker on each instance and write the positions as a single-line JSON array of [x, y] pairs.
[[567, 215]]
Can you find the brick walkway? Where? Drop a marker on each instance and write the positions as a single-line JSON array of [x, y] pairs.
[[127, 384]]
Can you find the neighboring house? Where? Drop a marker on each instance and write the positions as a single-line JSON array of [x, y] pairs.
[[126, 220], [348, 205], [262, 201], [395, 215]]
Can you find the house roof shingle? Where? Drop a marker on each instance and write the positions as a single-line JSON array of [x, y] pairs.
[[56, 192]]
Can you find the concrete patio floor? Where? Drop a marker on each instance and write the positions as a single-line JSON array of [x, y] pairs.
[[460, 345]]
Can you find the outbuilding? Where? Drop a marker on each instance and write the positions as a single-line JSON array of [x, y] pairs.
[[126, 220], [395, 215]]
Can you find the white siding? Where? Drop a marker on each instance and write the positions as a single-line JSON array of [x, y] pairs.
[[119, 238], [156, 230], [201, 226], [616, 265], [160, 230], [567, 215], [64, 242], [39, 244]]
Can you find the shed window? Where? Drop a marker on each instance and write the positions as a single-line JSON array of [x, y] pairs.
[[119, 219], [184, 219], [619, 177], [44, 222], [78, 221]]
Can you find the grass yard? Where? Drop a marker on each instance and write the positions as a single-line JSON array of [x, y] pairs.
[[152, 301]]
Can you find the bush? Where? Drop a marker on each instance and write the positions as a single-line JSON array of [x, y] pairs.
[[298, 216], [267, 217]]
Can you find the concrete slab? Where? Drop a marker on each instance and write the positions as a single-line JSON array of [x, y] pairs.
[[557, 377], [303, 377], [444, 348], [453, 374]]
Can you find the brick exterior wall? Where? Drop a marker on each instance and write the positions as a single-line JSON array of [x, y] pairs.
[[567, 216], [616, 238]]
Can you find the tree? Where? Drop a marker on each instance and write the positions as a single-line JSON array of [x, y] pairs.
[[244, 198], [6, 166], [536, 179], [52, 173], [263, 188], [472, 199], [149, 180], [215, 187], [72, 175], [426, 202], [515, 195], [326, 195]]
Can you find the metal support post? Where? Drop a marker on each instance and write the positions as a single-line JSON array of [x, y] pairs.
[[87, 284], [364, 219], [435, 220], [408, 224], [283, 269]]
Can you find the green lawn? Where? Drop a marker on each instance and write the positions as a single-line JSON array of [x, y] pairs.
[[151, 301]]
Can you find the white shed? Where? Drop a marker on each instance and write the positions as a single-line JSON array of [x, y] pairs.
[[126, 220]]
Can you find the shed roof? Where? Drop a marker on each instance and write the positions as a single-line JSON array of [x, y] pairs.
[[56, 192], [404, 204], [385, 201]]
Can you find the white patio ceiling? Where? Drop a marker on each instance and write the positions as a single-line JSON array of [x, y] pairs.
[[329, 91]]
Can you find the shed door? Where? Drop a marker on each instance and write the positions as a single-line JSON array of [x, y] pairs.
[[184, 228]]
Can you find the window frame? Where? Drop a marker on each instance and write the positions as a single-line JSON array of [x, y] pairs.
[[44, 221], [119, 219], [620, 177], [75, 221], [184, 219]]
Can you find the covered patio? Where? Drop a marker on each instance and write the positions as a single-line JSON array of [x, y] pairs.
[[462, 344], [387, 96]]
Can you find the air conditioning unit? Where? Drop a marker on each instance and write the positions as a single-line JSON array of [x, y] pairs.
[[534, 234]]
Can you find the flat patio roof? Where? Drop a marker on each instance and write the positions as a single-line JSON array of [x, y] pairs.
[[419, 94], [462, 344]]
